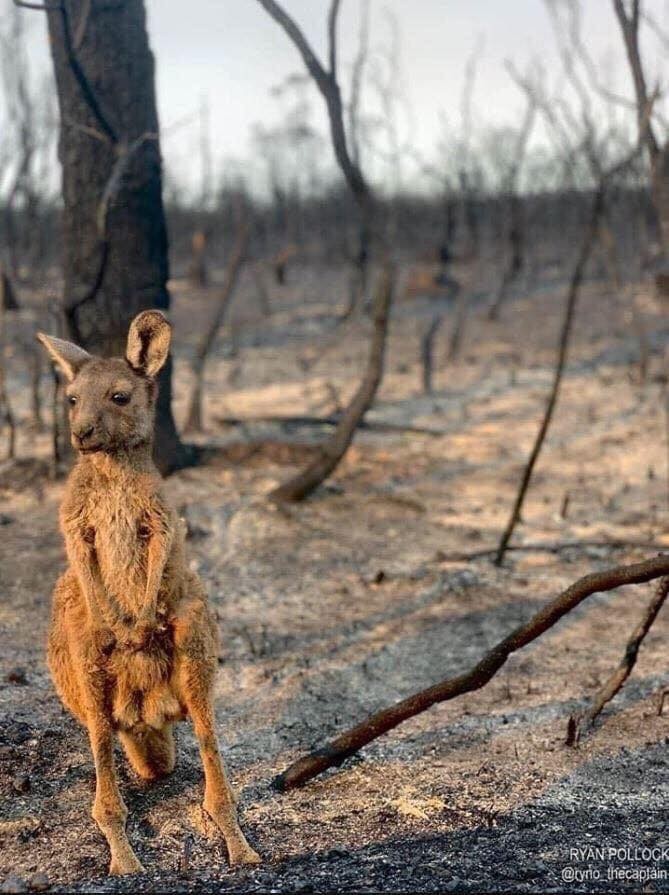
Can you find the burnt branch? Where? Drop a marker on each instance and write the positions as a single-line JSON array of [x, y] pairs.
[[332, 451], [350, 742], [581, 723], [325, 421], [326, 81], [629, 26], [333, 15], [194, 415]]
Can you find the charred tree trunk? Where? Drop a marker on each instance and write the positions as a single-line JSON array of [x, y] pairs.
[[8, 300], [658, 151], [660, 199], [107, 103]]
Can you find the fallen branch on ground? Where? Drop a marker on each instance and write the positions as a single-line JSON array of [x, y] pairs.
[[318, 421], [580, 724], [552, 547], [350, 742]]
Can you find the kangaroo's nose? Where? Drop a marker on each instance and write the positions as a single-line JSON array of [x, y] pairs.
[[83, 433]]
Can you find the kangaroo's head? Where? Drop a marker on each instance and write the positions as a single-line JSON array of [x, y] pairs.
[[111, 401]]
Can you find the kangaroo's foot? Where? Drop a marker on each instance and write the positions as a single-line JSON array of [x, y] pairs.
[[125, 861], [239, 851]]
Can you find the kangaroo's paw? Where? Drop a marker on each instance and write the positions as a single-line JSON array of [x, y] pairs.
[[240, 852]]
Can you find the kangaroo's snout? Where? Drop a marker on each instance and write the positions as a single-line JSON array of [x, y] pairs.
[[83, 433]]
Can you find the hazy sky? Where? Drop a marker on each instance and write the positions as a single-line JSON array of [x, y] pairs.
[[231, 53]]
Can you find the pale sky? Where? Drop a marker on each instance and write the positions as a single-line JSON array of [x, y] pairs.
[[231, 53]]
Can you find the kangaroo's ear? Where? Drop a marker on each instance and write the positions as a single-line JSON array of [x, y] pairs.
[[69, 357], [148, 342]]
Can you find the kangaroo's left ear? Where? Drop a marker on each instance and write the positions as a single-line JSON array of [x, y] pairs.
[[148, 342]]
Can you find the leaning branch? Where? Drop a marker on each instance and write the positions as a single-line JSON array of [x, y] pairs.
[[570, 307], [589, 239], [581, 723], [350, 742], [333, 450]]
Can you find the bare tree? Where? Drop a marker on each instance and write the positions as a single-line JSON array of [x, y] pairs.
[[326, 79], [206, 343], [604, 177], [629, 18], [30, 136], [115, 261], [8, 298], [5, 403], [198, 266]]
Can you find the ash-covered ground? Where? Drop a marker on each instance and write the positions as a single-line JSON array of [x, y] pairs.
[[336, 607]]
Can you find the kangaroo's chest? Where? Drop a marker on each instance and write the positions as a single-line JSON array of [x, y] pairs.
[[119, 532]]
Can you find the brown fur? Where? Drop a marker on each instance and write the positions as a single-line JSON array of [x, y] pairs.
[[132, 645]]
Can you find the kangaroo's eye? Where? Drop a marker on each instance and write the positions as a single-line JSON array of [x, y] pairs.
[[71, 400], [120, 398]]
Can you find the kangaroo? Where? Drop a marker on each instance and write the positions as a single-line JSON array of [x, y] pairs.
[[132, 646]]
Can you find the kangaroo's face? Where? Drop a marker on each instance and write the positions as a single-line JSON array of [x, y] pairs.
[[111, 401], [110, 407]]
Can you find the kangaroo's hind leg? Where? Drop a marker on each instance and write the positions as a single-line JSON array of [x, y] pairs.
[[77, 660], [196, 642], [109, 810]]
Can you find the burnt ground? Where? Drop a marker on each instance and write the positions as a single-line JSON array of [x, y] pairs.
[[339, 606]]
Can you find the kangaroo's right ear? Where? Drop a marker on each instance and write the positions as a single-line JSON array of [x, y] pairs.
[[68, 356]]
